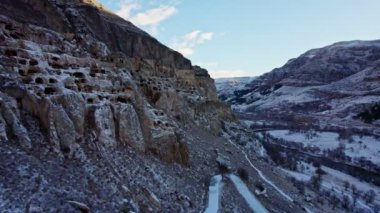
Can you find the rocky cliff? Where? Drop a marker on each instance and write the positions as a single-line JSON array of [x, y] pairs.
[[97, 115], [86, 74], [79, 20]]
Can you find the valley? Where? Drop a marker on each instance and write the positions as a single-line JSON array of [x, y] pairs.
[[97, 115], [320, 126]]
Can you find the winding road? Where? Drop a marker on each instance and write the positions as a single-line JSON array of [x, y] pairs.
[[215, 190]]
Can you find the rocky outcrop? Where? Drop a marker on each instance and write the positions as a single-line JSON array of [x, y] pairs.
[[108, 83], [80, 20], [98, 116], [11, 124]]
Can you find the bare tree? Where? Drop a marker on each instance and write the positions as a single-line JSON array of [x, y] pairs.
[[355, 194], [369, 196], [334, 200], [346, 203], [315, 182], [346, 185]]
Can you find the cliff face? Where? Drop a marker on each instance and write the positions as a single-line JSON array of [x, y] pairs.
[[80, 84], [81, 20], [88, 75], [96, 115]]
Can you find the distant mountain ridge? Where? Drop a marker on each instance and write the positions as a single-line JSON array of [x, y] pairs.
[[340, 81], [227, 86]]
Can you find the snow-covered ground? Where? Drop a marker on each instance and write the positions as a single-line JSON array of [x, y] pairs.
[[335, 181], [227, 86], [323, 140], [365, 146], [214, 194], [232, 84]]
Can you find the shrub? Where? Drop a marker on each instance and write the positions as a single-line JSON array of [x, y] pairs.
[[243, 174], [369, 196], [371, 114], [315, 182], [259, 186], [320, 171], [300, 185]]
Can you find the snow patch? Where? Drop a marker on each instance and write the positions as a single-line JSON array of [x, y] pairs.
[[214, 194], [243, 190], [357, 147]]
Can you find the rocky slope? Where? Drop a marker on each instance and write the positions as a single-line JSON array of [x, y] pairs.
[[335, 82], [97, 115]]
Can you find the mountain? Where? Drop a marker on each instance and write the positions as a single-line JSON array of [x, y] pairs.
[[226, 86], [96, 115], [318, 118], [339, 82]]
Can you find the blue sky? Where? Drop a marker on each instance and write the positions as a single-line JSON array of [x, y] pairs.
[[250, 37]]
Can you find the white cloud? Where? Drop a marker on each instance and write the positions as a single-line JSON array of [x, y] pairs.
[[189, 41], [153, 16], [148, 19], [227, 73], [126, 8]]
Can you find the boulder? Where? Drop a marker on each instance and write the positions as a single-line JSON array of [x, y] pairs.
[[169, 147], [101, 120], [223, 163], [10, 114], [75, 108], [128, 126], [3, 130]]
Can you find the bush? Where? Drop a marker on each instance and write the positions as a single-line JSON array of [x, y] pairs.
[[346, 203], [371, 114], [315, 182], [243, 174], [259, 186], [300, 185], [320, 171], [369, 196], [316, 164]]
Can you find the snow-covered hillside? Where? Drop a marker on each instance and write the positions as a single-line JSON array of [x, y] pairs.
[[356, 147], [335, 86], [227, 86], [322, 108]]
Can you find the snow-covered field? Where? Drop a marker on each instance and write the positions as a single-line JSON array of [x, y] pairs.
[[335, 181], [323, 140], [365, 146]]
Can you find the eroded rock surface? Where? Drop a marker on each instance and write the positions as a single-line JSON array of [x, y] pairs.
[[81, 87], [96, 115]]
